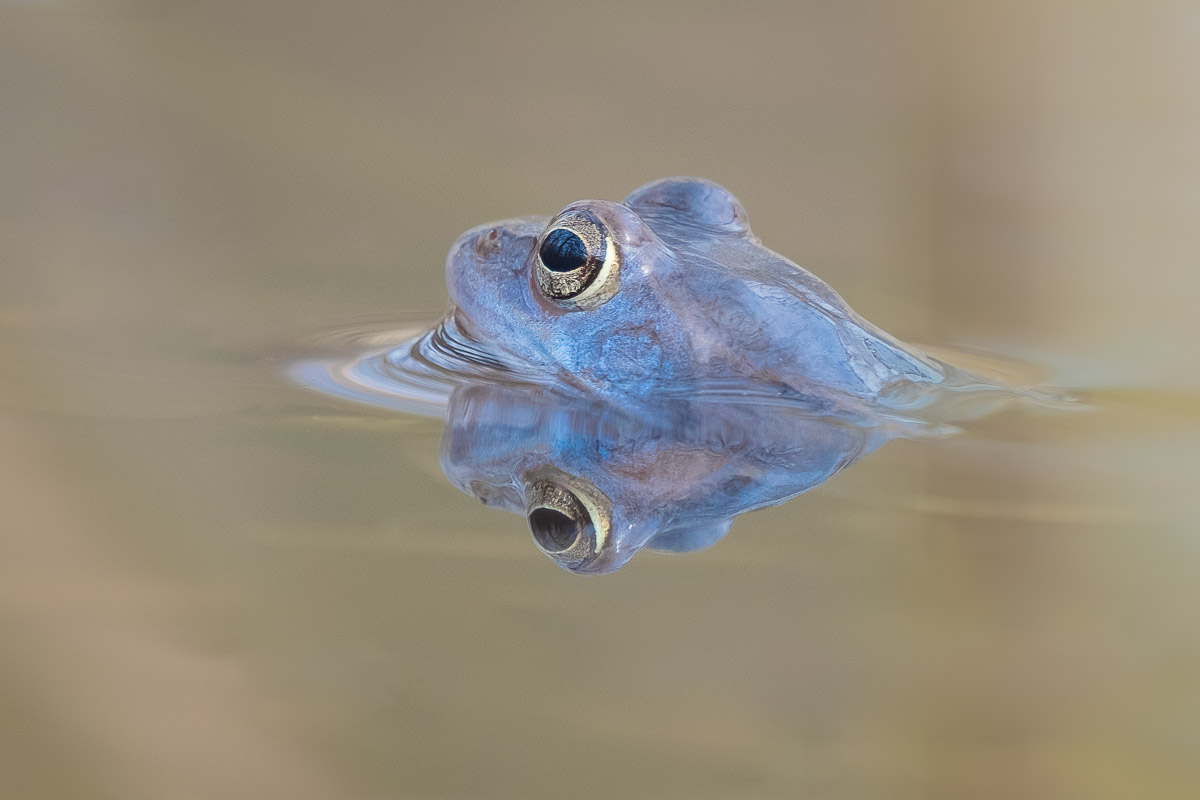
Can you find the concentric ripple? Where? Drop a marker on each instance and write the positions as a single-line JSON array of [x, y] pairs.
[[407, 370]]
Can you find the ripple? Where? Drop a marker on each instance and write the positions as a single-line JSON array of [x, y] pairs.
[[415, 370], [405, 370]]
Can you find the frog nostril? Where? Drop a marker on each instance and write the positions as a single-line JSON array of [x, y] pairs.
[[563, 251], [489, 243]]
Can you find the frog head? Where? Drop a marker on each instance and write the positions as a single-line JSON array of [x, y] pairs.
[[602, 293]]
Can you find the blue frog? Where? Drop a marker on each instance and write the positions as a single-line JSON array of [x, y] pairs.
[[669, 291], [636, 374]]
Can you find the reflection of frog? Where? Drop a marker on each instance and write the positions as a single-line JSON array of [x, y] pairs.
[[670, 291], [598, 483]]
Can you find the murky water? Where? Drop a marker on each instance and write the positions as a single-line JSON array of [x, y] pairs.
[[215, 583]]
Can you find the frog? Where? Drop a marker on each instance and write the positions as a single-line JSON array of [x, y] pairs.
[[670, 291], [635, 374]]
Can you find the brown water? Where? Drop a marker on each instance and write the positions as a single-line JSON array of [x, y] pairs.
[[214, 584]]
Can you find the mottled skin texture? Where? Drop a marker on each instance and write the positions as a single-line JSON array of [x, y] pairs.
[[701, 305], [674, 473]]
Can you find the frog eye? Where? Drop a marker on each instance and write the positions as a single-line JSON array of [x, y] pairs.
[[571, 521], [576, 262]]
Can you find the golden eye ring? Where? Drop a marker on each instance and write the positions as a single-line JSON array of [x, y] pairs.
[[576, 263], [570, 520]]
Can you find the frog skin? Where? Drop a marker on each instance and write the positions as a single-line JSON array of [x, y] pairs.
[[670, 292], [599, 482]]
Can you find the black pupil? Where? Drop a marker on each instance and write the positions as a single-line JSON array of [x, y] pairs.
[[555, 531], [563, 251]]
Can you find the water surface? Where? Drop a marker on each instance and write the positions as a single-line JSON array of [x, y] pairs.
[[215, 583]]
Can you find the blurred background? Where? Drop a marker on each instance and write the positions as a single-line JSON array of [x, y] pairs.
[[214, 584]]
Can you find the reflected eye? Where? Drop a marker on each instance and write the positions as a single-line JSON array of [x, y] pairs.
[[568, 517], [577, 264], [557, 530]]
